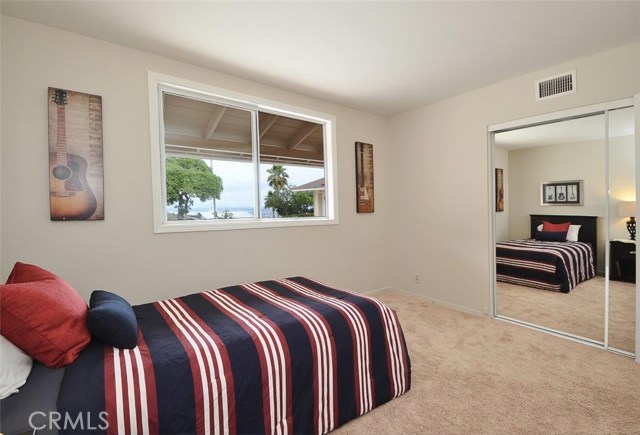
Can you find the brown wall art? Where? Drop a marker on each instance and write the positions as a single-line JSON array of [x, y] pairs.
[[364, 178], [76, 171], [499, 190]]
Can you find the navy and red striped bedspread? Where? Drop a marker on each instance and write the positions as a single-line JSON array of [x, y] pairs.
[[558, 266], [288, 356]]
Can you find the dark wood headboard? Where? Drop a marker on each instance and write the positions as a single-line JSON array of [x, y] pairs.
[[588, 230]]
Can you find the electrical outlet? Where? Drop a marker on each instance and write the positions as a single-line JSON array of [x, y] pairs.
[[416, 278]]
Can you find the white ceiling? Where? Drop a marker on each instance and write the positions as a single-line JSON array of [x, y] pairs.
[[383, 57]]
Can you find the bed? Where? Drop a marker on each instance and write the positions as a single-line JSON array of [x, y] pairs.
[[550, 265], [286, 356]]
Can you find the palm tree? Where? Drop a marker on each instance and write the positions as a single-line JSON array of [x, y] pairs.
[[271, 201], [278, 178]]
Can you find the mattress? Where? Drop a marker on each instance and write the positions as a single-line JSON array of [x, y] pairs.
[[286, 356], [558, 266]]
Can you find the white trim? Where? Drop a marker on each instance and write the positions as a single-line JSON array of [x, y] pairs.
[[439, 302], [564, 335], [375, 291], [158, 83], [607, 229], [246, 101], [242, 224], [621, 352], [577, 112], [492, 224], [551, 331], [157, 153], [255, 159], [636, 100], [425, 299]]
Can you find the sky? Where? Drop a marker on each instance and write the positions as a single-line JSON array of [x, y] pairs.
[[237, 179]]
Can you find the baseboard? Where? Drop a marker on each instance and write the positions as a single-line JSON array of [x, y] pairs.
[[378, 290], [437, 301]]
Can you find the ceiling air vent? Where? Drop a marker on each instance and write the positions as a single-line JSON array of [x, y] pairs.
[[555, 86]]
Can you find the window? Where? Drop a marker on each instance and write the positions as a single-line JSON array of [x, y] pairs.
[[225, 161]]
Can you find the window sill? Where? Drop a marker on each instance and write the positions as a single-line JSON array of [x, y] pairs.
[[222, 225]]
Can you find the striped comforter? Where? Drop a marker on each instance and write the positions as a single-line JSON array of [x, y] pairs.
[[558, 266], [288, 356]]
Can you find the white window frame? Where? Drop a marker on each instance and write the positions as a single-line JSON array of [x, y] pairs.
[[160, 82]]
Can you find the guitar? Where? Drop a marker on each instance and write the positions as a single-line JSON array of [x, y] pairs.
[[561, 196], [365, 204], [70, 196]]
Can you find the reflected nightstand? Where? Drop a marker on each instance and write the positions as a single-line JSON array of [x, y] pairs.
[[622, 265]]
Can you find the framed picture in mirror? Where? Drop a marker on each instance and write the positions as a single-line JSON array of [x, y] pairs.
[[499, 190], [562, 192]]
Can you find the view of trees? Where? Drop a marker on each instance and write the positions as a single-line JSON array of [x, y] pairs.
[[188, 178], [282, 199], [278, 178], [225, 214]]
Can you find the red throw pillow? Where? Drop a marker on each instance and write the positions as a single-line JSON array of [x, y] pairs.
[[555, 228], [43, 315]]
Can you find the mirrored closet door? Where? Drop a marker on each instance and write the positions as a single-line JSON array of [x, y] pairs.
[[565, 261], [622, 244]]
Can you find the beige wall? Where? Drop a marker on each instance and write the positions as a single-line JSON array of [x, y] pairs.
[[443, 173], [122, 253], [622, 161], [575, 161], [432, 180]]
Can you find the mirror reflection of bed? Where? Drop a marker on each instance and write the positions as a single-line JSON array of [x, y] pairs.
[[551, 282], [575, 310], [569, 150]]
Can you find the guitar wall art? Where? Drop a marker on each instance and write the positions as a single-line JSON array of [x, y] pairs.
[[76, 170], [364, 178], [562, 192]]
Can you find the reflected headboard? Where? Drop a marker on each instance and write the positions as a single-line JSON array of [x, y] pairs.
[[588, 228]]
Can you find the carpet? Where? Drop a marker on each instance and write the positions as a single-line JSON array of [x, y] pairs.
[[579, 312], [472, 374]]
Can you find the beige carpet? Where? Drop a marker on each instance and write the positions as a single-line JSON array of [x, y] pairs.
[[483, 376], [579, 312]]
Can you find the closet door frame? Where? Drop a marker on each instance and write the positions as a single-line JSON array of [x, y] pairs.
[[595, 109]]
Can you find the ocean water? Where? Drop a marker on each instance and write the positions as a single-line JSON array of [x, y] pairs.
[[239, 212]]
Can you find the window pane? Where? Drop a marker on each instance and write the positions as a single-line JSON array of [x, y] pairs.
[[292, 172], [209, 162]]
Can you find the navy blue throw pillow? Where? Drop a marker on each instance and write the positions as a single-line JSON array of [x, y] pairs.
[[112, 320], [551, 236]]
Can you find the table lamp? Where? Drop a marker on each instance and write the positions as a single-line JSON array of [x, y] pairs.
[[628, 209]]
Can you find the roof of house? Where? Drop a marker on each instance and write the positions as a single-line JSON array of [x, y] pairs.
[[313, 185]]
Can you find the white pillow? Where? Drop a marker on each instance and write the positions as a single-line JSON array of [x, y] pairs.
[[15, 366], [572, 234]]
